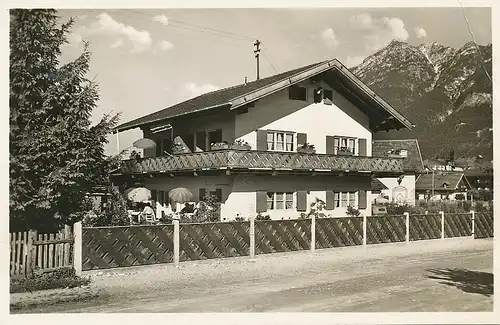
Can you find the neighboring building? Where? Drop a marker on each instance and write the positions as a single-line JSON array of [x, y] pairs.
[[401, 189], [445, 186], [245, 144]]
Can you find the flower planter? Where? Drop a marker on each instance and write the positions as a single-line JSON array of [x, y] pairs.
[[344, 153], [219, 147], [240, 147], [306, 150]]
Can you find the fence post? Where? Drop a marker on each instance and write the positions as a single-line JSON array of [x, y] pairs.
[[442, 224], [77, 248], [29, 254], [252, 238], [313, 233], [473, 213], [176, 243], [364, 230], [407, 231]]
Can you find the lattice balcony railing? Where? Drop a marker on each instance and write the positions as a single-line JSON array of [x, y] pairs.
[[250, 159]]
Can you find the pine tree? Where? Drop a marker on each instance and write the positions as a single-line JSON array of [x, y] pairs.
[[56, 154]]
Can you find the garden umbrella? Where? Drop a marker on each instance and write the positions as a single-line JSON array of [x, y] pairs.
[[138, 194], [144, 143], [180, 195]]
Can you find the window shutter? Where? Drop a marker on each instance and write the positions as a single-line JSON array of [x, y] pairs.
[[262, 140], [301, 201], [261, 204], [330, 203], [201, 194], [330, 145], [301, 139], [154, 197], [362, 147], [362, 199], [218, 194]]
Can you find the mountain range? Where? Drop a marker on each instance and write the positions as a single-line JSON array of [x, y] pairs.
[[445, 92]]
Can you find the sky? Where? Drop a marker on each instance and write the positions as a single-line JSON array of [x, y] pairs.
[[147, 60]]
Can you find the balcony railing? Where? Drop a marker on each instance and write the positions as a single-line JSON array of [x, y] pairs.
[[250, 159]]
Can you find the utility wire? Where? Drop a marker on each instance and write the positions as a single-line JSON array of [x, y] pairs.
[[474, 40]]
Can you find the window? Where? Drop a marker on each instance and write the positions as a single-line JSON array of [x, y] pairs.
[[320, 94], [279, 200], [280, 141], [342, 143], [344, 199], [297, 93]]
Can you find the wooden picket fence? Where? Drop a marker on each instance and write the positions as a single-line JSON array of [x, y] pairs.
[[109, 247], [30, 251]]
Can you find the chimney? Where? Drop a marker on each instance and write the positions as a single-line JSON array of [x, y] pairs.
[[245, 81]]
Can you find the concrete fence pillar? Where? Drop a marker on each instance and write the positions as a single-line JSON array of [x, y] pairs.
[[473, 215], [252, 238], [442, 224], [364, 230], [176, 242], [313, 233], [77, 248], [407, 222]]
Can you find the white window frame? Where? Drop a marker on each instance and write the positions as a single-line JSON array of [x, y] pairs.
[[338, 202], [274, 141], [274, 201], [337, 144]]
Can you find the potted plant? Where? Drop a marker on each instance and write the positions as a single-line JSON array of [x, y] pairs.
[[178, 148], [239, 145], [219, 145], [306, 148]]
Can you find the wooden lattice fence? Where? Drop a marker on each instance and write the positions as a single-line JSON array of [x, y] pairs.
[[483, 225], [457, 224], [339, 232], [385, 229], [108, 247], [214, 240], [282, 236], [425, 226]]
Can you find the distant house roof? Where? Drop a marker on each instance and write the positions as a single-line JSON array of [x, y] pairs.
[[385, 116], [377, 185], [442, 181], [412, 162]]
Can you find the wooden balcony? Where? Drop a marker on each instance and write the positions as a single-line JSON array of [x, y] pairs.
[[250, 160]]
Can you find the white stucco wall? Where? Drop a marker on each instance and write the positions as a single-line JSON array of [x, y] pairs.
[[317, 120], [239, 191]]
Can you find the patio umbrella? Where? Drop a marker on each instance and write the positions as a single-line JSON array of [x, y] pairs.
[[138, 194], [144, 143], [180, 195]]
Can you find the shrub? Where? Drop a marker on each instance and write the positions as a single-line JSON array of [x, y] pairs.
[[352, 212], [113, 213], [208, 211], [60, 278]]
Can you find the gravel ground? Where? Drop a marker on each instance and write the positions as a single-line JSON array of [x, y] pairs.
[[385, 278]]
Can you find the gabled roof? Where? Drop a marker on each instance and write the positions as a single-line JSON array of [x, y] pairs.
[[452, 181], [377, 185], [233, 97], [413, 162]]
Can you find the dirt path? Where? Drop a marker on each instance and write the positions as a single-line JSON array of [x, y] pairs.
[[387, 278]]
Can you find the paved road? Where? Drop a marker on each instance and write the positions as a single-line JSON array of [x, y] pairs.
[[449, 275]]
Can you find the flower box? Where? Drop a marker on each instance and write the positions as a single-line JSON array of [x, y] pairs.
[[344, 152], [232, 146], [306, 150]]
